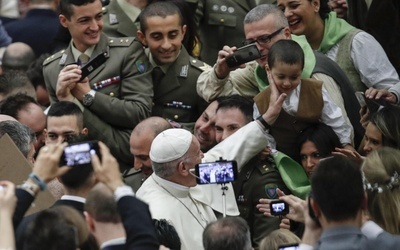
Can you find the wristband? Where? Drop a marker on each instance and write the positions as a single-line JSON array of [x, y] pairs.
[[38, 181], [263, 122], [31, 188]]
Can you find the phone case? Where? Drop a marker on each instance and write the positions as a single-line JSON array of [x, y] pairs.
[[92, 65], [243, 55]]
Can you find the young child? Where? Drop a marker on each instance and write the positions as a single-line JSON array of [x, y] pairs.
[[306, 103]]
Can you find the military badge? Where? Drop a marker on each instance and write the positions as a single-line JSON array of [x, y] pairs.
[[113, 19], [141, 66], [270, 190], [184, 71]]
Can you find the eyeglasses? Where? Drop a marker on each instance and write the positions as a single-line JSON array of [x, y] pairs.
[[264, 39]]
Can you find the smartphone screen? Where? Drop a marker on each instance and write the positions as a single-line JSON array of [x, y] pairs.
[[79, 153], [278, 208], [216, 172]]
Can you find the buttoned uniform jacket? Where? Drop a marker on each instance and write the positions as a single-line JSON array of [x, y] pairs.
[[178, 86], [117, 108], [220, 23], [258, 179], [116, 23]]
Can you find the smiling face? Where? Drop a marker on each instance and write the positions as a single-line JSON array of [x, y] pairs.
[[227, 122], [302, 15], [204, 128], [265, 26], [372, 138], [286, 76], [164, 37], [85, 24], [140, 147]]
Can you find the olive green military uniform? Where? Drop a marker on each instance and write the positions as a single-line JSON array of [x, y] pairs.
[[124, 92], [175, 95], [134, 178], [116, 22], [258, 179], [220, 23]]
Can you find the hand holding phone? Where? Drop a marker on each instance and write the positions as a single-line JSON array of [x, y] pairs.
[[243, 55], [78, 154], [278, 208], [92, 65]]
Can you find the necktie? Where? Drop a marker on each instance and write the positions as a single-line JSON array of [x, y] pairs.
[[83, 59], [157, 75]]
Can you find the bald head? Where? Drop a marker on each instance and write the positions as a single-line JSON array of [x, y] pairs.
[[7, 118], [141, 139], [154, 125], [18, 56]]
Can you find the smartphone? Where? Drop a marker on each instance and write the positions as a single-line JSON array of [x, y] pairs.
[[92, 65], [78, 154], [216, 172], [243, 55], [289, 247], [372, 105], [278, 208]]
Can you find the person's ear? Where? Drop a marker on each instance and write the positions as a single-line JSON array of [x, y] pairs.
[[142, 38], [316, 5], [63, 20], [89, 221], [315, 208], [184, 27], [84, 131], [183, 169], [365, 202]]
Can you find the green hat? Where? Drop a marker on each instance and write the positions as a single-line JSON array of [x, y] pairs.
[[293, 175]]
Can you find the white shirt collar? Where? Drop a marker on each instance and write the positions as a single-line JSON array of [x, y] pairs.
[[73, 198]]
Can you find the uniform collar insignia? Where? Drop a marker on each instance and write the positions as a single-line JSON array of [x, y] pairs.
[[113, 19], [63, 59], [184, 71]]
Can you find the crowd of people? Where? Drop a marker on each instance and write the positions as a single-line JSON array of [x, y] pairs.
[[146, 87]]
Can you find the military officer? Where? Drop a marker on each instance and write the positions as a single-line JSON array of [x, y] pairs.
[[117, 95], [220, 23], [121, 17], [259, 178], [175, 72]]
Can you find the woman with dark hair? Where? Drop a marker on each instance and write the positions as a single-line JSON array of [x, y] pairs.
[[315, 143], [359, 55]]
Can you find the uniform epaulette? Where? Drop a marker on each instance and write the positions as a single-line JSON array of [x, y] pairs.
[[105, 10], [120, 41], [199, 64], [53, 57]]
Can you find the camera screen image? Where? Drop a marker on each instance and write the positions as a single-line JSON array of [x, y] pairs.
[[278, 207], [216, 172], [78, 154]]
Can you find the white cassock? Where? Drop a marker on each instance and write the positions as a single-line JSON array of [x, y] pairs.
[[190, 209]]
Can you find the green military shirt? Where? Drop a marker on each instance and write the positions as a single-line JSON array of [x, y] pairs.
[[117, 23], [124, 92], [258, 179], [175, 95]]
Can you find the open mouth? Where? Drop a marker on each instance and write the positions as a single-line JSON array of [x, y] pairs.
[[294, 22]]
